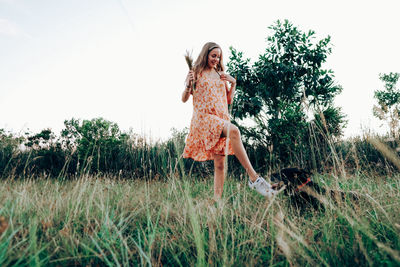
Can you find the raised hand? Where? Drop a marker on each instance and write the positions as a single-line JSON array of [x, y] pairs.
[[189, 78], [227, 78]]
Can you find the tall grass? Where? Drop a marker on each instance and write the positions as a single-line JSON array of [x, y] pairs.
[[119, 222]]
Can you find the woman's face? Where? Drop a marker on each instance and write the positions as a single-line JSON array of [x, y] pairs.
[[214, 57]]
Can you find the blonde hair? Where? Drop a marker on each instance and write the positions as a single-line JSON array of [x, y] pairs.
[[201, 62]]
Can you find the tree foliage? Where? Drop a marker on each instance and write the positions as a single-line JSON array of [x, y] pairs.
[[388, 108], [287, 93], [97, 141], [41, 140]]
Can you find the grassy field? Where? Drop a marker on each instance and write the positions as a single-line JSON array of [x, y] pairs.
[[104, 221]]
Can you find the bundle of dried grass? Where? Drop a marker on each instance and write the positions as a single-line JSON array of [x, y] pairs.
[[189, 61]]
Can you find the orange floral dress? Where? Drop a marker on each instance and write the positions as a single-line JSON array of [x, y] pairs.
[[210, 113]]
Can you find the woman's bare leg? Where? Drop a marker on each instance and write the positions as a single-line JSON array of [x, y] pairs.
[[233, 133], [219, 175]]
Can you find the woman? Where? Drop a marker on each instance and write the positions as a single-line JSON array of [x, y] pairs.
[[210, 125]]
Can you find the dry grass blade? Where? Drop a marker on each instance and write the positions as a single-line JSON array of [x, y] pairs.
[[386, 151], [280, 240], [189, 61], [321, 114]]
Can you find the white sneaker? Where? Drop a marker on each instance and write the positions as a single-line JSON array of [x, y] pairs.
[[262, 187]]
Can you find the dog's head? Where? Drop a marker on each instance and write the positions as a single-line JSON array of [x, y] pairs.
[[293, 178]]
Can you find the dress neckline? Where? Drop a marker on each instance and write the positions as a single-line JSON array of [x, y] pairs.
[[210, 76]]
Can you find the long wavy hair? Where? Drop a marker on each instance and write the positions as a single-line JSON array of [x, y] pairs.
[[201, 62]]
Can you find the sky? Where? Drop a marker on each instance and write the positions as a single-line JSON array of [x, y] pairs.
[[123, 60]]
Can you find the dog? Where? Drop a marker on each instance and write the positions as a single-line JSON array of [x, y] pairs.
[[303, 192]]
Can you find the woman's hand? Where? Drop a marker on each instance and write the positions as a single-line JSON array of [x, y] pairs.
[[228, 78], [230, 91], [189, 78], [188, 86]]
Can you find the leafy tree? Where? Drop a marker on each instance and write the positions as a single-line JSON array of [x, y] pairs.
[[96, 141], [46, 153], [44, 139], [388, 108], [286, 93]]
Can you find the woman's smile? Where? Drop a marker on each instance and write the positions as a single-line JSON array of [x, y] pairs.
[[214, 57]]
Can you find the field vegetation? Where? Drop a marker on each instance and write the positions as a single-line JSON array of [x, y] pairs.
[[83, 216], [112, 221]]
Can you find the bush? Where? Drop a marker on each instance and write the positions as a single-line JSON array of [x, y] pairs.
[[134, 156]]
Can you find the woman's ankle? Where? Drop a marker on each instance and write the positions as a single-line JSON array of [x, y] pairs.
[[253, 177]]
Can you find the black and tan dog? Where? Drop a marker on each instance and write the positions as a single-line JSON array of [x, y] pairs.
[[303, 191]]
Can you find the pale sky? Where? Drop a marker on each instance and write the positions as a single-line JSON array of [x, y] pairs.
[[123, 59]]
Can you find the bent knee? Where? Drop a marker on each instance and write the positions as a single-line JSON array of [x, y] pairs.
[[234, 131]]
